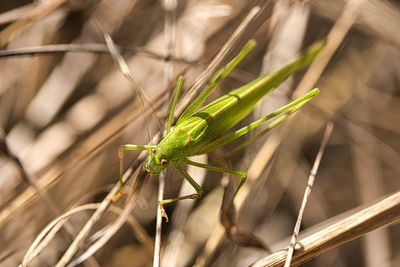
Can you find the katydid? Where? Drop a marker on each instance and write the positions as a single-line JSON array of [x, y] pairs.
[[201, 130]]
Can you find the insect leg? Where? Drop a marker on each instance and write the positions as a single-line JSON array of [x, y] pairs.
[[121, 151], [199, 190], [174, 100], [227, 215], [241, 174], [216, 80], [284, 111]]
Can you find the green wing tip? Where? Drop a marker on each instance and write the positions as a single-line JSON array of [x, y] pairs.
[[318, 46], [314, 92], [251, 43]]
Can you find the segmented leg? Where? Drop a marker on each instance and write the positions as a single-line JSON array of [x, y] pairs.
[[216, 80], [227, 215], [121, 151], [284, 111], [199, 190], [241, 174], [174, 101]]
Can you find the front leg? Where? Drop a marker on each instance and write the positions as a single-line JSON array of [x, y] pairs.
[[121, 151], [199, 190]]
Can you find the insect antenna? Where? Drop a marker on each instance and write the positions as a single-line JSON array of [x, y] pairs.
[[124, 68]]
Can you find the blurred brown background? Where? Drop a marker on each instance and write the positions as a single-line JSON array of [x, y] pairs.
[[63, 116]]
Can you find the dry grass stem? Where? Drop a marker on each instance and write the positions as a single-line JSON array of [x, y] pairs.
[[15, 14], [96, 216], [169, 29], [159, 218], [45, 236], [333, 41], [310, 183], [364, 221], [89, 48], [32, 16], [124, 215]]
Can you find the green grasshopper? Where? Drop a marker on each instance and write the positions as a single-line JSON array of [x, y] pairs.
[[199, 131]]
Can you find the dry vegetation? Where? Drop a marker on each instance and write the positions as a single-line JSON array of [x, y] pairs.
[[65, 109]]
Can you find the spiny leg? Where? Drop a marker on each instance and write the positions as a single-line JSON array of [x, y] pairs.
[[199, 190], [174, 101], [121, 150], [263, 132], [241, 174], [284, 111]]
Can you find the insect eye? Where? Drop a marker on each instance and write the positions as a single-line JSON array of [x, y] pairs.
[[153, 151], [164, 162]]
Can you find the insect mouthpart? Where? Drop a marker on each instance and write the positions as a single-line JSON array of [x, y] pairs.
[[154, 165]]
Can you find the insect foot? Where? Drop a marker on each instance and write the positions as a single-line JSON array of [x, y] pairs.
[[117, 196], [163, 213], [197, 196]]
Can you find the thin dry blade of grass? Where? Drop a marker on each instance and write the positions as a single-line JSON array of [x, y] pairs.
[[48, 233], [45, 236], [96, 216], [159, 218], [335, 37], [110, 232], [370, 182], [169, 30], [364, 221], [15, 14], [32, 15], [310, 183], [87, 47]]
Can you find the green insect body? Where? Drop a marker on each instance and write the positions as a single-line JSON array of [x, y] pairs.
[[199, 131]]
